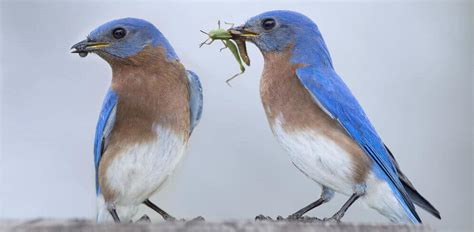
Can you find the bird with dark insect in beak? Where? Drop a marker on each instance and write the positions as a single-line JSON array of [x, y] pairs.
[[320, 123], [147, 117]]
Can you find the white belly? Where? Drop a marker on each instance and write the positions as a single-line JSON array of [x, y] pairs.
[[140, 170], [318, 157], [325, 162]]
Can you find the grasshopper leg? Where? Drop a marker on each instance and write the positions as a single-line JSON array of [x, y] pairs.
[[230, 24], [206, 42], [225, 46], [233, 77]]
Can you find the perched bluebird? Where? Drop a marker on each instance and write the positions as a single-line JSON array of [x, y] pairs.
[[319, 122], [147, 116]]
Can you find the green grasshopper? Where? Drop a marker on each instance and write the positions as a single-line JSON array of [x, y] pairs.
[[237, 47]]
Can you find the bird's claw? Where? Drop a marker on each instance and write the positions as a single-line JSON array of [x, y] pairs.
[[169, 218], [291, 218], [332, 220], [299, 218], [294, 217], [198, 219], [262, 217], [309, 219]]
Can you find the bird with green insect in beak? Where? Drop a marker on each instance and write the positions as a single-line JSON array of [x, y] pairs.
[[320, 123], [147, 117], [234, 46]]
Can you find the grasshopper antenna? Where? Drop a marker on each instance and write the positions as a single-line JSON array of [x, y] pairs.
[[205, 41]]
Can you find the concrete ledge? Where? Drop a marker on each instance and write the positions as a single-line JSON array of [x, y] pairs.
[[76, 225]]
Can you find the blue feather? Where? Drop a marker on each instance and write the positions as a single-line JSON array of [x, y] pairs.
[[195, 98], [330, 92], [299, 33], [103, 129], [140, 34]]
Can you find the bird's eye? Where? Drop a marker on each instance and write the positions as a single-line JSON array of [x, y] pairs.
[[119, 33], [268, 24]]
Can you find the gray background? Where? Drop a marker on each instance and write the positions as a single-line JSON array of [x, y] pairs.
[[409, 63]]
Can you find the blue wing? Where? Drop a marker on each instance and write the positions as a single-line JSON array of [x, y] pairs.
[[195, 98], [104, 127], [335, 98]]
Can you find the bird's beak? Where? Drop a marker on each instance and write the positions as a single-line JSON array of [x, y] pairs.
[[242, 32], [87, 46]]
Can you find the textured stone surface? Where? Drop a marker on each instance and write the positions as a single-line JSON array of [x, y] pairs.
[[41, 225]]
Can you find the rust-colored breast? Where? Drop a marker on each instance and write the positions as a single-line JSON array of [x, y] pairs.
[[284, 96], [152, 91]]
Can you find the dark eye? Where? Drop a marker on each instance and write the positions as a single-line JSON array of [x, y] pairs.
[[268, 24], [119, 33]]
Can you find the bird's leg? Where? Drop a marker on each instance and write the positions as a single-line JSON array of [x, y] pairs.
[[326, 195], [164, 214], [306, 209], [339, 214], [114, 214]]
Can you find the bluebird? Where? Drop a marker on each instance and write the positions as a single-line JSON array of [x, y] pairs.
[[147, 117], [318, 121]]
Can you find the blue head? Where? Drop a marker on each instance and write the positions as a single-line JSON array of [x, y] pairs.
[[279, 30], [123, 38]]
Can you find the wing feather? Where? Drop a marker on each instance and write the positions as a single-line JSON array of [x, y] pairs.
[[104, 127], [195, 99], [330, 93]]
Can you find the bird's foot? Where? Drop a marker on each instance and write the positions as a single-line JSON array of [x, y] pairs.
[[262, 217], [197, 219], [332, 220], [299, 218], [170, 218], [291, 218], [144, 219]]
